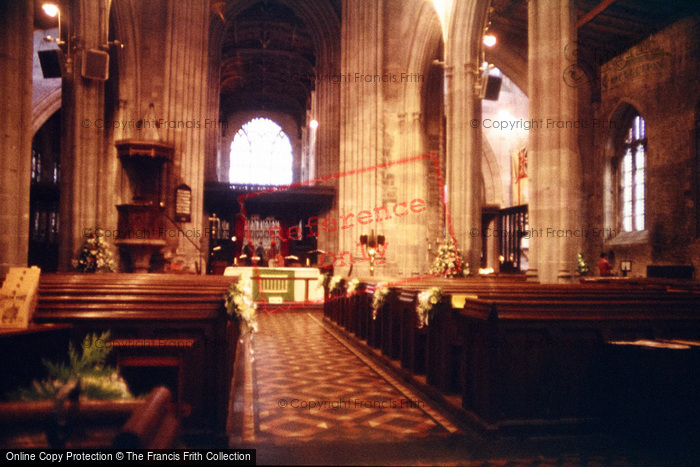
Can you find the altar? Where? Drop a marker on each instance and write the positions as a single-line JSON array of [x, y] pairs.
[[281, 285]]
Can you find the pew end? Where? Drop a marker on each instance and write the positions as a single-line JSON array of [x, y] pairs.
[[154, 426]]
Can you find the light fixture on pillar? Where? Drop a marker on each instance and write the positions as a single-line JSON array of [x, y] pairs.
[[59, 62], [370, 243], [313, 124], [52, 61], [51, 9], [218, 8], [489, 86]]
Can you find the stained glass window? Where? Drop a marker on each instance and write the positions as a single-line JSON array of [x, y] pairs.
[[632, 179], [261, 154]]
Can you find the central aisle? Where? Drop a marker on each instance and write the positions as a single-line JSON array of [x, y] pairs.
[[311, 387], [309, 397]]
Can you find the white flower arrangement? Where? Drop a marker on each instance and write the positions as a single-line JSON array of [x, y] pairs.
[[378, 298], [323, 281], [449, 260], [95, 256], [336, 285], [351, 286], [426, 302], [240, 303]]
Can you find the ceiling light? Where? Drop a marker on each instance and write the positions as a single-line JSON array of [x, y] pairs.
[[51, 9], [489, 40]]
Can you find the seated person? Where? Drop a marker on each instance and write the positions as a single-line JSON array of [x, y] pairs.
[[274, 258], [247, 254], [604, 266], [259, 257]]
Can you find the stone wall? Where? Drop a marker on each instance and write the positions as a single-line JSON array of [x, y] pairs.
[[659, 78]]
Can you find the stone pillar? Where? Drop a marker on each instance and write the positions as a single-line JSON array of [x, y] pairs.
[[361, 124], [185, 98], [464, 152], [553, 159], [411, 181], [88, 173], [16, 27]]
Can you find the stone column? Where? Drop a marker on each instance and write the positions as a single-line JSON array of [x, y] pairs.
[[361, 124], [185, 98], [88, 173], [553, 159], [464, 179], [16, 27], [412, 180]]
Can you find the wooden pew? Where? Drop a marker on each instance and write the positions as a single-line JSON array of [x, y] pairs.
[[168, 330], [456, 358], [67, 422], [153, 426], [444, 346], [535, 362]]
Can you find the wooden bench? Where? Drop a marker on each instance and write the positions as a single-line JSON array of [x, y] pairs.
[[545, 339], [67, 422], [155, 425], [167, 330], [402, 340], [536, 361]]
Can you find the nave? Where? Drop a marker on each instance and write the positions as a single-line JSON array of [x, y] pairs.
[[300, 360]]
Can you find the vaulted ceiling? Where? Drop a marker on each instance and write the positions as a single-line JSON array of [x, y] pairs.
[[268, 61], [268, 56]]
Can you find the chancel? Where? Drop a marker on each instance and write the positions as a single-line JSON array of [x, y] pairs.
[[351, 232]]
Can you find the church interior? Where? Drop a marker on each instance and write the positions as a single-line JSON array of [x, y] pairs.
[[351, 232]]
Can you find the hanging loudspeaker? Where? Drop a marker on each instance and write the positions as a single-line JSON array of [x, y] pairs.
[[95, 64], [490, 87], [51, 62]]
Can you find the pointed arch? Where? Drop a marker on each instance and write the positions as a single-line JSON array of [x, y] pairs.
[[261, 154]]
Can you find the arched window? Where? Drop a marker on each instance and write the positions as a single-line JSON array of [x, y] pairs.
[[632, 162], [261, 154]]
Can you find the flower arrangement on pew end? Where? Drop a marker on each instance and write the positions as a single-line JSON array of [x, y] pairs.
[[425, 308], [379, 298], [351, 286], [240, 303], [323, 282], [448, 261], [95, 256], [93, 379], [336, 286]]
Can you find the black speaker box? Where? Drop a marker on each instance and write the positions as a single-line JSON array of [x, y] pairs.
[[51, 63], [95, 64], [490, 87]]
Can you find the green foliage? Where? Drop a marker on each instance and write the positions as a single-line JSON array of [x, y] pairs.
[[97, 380], [583, 267]]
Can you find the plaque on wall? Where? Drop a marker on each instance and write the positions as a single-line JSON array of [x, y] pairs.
[[183, 204]]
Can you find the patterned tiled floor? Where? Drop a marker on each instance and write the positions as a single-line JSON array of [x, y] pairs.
[[309, 387], [309, 397]]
